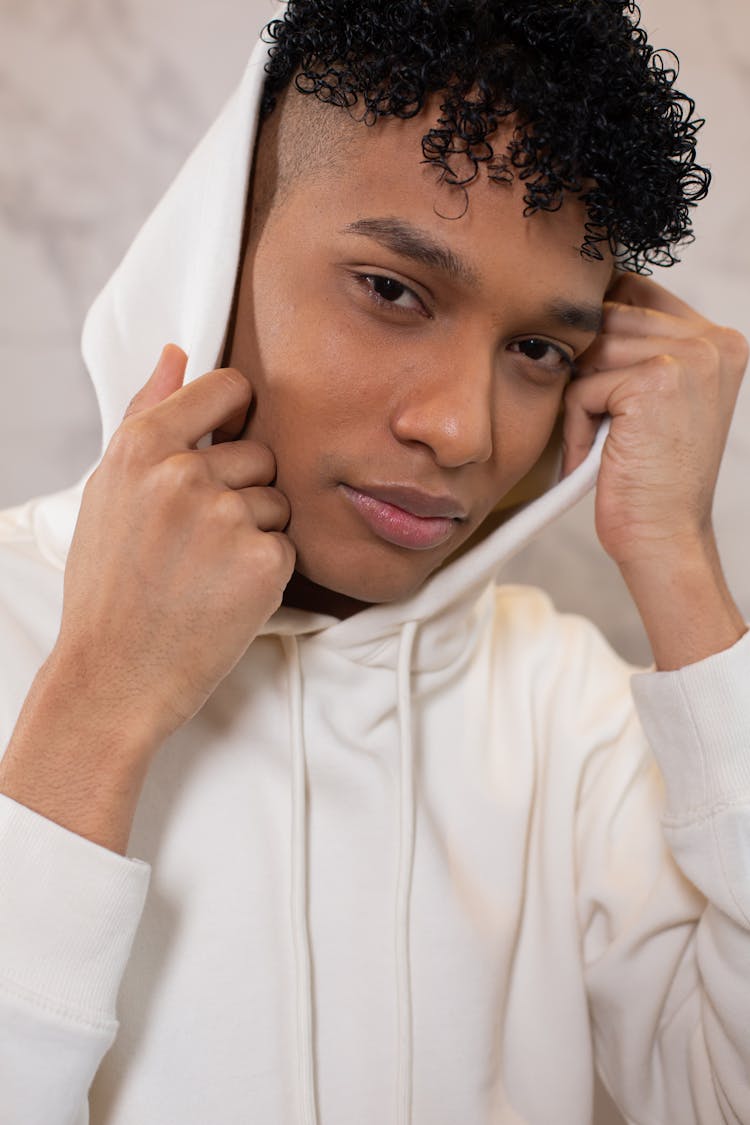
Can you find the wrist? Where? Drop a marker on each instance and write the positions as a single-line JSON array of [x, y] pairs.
[[76, 760], [684, 602], [104, 697]]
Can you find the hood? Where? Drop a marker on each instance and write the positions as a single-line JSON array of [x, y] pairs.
[[197, 228]]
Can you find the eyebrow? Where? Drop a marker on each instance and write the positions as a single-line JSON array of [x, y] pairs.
[[586, 318], [411, 242]]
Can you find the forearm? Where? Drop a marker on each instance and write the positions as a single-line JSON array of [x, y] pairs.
[[686, 607], [75, 759]]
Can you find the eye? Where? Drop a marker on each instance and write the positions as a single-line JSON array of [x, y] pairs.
[[389, 293], [544, 354]]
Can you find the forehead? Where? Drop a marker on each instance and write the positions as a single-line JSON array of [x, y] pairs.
[[381, 170]]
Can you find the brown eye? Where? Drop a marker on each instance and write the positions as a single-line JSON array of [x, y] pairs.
[[390, 293], [542, 352], [387, 288]]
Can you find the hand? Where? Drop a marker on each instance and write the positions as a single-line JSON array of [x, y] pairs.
[[178, 556], [670, 379]]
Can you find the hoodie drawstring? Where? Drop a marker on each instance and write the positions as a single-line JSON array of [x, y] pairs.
[[300, 929], [300, 932], [405, 866]]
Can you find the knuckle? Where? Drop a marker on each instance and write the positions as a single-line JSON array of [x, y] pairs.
[[736, 346], [666, 372], [131, 443], [667, 362], [179, 471], [272, 553], [705, 353], [229, 508]]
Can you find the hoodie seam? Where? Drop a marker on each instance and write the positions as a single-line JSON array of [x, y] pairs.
[[11, 987]]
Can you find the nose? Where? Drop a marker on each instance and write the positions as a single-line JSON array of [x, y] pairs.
[[450, 411]]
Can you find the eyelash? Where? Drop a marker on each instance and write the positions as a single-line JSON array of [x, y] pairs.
[[367, 278]]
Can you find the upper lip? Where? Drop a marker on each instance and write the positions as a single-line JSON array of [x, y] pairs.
[[425, 504]]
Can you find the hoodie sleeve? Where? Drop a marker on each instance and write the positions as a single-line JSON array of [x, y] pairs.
[[69, 910], [663, 846]]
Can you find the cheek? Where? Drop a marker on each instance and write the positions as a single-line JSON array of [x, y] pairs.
[[526, 427], [315, 372], [528, 463]]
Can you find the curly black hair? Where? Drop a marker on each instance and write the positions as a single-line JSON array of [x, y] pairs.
[[595, 104]]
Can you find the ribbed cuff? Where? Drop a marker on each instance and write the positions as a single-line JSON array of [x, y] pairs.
[[697, 721], [70, 909]]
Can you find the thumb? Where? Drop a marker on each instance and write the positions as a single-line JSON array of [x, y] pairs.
[[165, 379]]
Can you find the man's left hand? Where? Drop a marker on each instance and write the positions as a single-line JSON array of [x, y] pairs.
[[670, 379]]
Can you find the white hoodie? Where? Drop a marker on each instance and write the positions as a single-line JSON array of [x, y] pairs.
[[432, 864]]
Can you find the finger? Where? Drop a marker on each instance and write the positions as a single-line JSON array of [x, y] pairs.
[[240, 464], [586, 401], [615, 350], [639, 320], [165, 379], [614, 392], [634, 289], [203, 405], [232, 428], [269, 508], [287, 549]]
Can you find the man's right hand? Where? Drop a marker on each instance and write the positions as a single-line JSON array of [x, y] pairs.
[[178, 556], [177, 560]]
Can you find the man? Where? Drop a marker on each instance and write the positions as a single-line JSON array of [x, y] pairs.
[[416, 852]]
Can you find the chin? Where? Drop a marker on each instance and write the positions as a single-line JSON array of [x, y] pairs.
[[373, 591], [375, 584]]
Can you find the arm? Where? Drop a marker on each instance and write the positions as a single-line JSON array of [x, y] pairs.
[[685, 605], [670, 380], [70, 910], [140, 649], [75, 758], [664, 896], [665, 883]]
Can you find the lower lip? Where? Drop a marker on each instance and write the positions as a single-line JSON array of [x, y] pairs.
[[397, 526]]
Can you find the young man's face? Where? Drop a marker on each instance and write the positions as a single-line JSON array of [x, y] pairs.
[[433, 389]]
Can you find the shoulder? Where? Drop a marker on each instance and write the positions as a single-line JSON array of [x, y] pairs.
[[562, 665], [527, 620]]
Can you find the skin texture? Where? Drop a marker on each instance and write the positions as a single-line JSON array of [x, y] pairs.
[[431, 391]]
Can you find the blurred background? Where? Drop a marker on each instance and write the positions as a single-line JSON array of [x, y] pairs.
[[100, 103]]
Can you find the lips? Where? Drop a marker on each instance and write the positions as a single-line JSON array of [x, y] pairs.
[[417, 503], [405, 516]]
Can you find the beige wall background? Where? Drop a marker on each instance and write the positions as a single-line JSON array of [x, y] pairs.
[[100, 102]]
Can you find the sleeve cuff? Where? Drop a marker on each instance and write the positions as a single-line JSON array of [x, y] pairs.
[[70, 913], [697, 720]]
